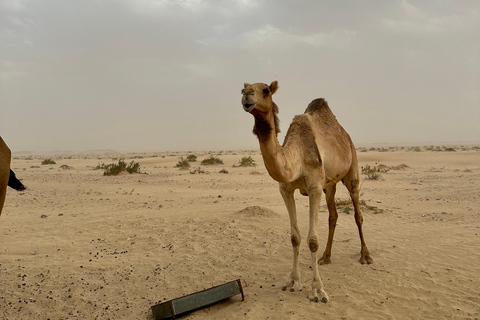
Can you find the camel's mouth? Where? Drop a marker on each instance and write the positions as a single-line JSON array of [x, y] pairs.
[[249, 107]]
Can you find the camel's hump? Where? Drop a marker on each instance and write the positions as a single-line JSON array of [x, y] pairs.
[[317, 105]]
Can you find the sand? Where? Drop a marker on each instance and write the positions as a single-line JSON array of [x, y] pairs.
[[81, 245]]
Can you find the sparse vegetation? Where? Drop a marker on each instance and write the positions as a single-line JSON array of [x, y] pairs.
[[198, 170], [100, 166], [347, 210], [211, 161], [371, 173], [114, 169], [247, 162], [183, 164], [223, 171], [345, 206], [192, 158], [48, 161]]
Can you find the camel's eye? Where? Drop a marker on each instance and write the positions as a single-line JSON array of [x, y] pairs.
[[266, 91]]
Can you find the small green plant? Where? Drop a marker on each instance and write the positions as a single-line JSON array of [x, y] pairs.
[[114, 169], [347, 210], [192, 158], [374, 209], [211, 161], [183, 164], [48, 161], [247, 162]]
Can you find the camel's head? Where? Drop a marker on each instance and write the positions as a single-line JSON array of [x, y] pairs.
[[257, 97]]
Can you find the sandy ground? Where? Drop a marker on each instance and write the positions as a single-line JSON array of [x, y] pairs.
[[80, 245]]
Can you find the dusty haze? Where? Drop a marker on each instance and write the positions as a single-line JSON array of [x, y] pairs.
[[167, 75]]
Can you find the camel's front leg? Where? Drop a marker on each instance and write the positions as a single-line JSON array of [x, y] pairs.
[[287, 194], [317, 284]]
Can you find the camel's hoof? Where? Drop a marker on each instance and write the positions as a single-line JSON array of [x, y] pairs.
[[316, 300], [324, 300], [284, 288], [366, 259], [323, 261]]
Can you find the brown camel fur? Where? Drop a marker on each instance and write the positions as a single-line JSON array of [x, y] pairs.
[[317, 153], [5, 156]]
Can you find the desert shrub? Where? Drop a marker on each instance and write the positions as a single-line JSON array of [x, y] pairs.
[[192, 158], [133, 167], [247, 162], [115, 168], [223, 171], [48, 161], [198, 170], [211, 161], [371, 173], [100, 166], [182, 164]]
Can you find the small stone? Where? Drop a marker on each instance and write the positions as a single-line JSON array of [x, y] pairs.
[[43, 216]]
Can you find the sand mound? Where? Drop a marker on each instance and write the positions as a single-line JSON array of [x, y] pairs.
[[257, 211]]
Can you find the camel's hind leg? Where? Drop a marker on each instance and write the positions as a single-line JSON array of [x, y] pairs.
[[332, 222], [351, 181]]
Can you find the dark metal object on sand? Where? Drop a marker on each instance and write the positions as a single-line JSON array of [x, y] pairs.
[[172, 308]]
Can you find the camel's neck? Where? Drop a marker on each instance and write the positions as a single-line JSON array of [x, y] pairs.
[[278, 160]]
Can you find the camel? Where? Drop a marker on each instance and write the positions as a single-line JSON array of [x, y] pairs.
[[5, 156], [316, 154]]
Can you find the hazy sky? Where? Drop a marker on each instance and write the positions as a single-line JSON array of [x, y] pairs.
[[158, 75]]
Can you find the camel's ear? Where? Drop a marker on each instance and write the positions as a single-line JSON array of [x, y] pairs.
[[245, 85], [273, 87]]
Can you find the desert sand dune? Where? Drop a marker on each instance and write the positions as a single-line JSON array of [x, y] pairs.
[[80, 245]]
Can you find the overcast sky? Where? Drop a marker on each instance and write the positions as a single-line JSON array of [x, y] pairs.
[[158, 75]]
